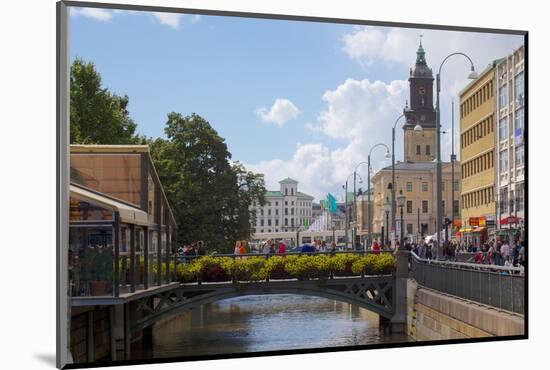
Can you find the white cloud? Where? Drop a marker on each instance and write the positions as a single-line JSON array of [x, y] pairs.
[[282, 111], [169, 19], [361, 112], [103, 15], [172, 20]]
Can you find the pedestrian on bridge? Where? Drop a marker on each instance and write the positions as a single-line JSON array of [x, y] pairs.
[[282, 249]]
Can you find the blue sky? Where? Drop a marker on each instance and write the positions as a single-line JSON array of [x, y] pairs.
[[298, 99]]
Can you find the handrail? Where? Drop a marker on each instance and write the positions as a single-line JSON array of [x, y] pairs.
[[283, 254], [477, 266]]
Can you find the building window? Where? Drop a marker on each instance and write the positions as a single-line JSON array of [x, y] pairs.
[[409, 186], [276, 203], [409, 229], [520, 197], [261, 211], [503, 166], [286, 192], [455, 207], [520, 156], [455, 185], [428, 150], [519, 118], [292, 191], [424, 206], [269, 212], [286, 221], [276, 222], [292, 211], [292, 222], [519, 88], [286, 202], [262, 222], [503, 200], [502, 96], [286, 211], [277, 212], [292, 203], [269, 222], [424, 186], [503, 128], [269, 203], [418, 150], [409, 206]]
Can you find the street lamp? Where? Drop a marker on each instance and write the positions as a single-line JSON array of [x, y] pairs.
[[387, 209], [439, 214], [345, 187], [369, 212], [401, 204], [393, 185]]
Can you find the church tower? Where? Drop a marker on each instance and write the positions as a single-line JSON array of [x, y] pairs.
[[420, 145]]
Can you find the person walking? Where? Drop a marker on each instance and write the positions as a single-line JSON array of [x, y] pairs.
[[243, 249], [505, 250], [237, 250], [282, 248], [267, 247]]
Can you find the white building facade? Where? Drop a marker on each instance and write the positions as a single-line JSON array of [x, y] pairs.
[[285, 209], [510, 142]]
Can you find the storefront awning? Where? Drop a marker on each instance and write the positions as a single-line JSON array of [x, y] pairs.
[[478, 229], [127, 213], [510, 220]]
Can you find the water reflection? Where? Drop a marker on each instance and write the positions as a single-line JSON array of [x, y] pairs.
[[264, 323]]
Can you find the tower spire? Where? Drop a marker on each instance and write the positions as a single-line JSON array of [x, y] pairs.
[[420, 54]]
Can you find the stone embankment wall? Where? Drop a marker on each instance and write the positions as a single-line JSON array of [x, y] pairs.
[[434, 316]]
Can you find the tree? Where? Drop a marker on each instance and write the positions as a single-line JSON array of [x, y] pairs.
[[210, 196], [97, 116]]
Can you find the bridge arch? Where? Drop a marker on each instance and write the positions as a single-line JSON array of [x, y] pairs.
[[374, 293]]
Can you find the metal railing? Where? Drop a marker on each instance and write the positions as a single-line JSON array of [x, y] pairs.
[[187, 258], [497, 286]]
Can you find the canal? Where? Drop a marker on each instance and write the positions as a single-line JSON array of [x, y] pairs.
[[265, 323]]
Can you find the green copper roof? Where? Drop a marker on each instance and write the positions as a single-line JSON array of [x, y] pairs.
[[420, 54], [288, 180], [273, 193]]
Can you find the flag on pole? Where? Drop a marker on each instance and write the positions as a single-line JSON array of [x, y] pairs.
[[332, 204]]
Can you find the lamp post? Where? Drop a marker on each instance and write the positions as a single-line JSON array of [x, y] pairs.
[[387, 209], [346, 208], [400, 204], [439, 214], [393, 185], [369, 211], [355, 198]]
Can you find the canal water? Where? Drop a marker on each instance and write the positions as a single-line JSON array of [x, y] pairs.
[[266, 323]]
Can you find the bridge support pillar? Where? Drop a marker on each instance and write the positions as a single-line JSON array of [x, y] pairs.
[[398, 323]]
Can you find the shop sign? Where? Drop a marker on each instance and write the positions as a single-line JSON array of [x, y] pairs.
[[474, 221]]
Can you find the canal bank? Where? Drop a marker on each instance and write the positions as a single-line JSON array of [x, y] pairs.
[[432, 315]]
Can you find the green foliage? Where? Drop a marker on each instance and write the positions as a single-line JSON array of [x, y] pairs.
[[208, 268], [210, 196], [97, 116], [374, 264]]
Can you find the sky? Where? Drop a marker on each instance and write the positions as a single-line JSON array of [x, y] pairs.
[[304, 100]]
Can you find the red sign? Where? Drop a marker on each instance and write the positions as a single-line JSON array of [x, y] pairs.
[[474, 221]]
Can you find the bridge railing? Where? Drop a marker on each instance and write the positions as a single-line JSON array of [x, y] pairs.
[[497, 286], [258, 267]]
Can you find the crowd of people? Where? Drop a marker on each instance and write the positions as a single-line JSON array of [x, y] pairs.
[[189, 251]]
